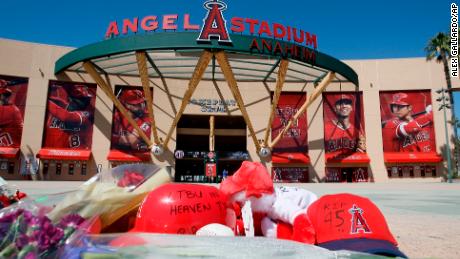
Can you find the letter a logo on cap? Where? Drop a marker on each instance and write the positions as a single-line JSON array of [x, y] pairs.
[[358, 223], [214, 25]]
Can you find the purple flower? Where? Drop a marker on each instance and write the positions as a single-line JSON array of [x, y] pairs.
[[4, 228], [34, 236], [71, 220], [28, 217], [49, 235], [22, 240], [7, 220], [34, 224], [11, 216]]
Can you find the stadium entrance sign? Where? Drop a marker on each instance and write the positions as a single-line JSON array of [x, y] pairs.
[[214, 27]]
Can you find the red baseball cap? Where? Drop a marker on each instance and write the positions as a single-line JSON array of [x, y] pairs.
[[251, 177], [400, 99], [132, 96], [58, 94], [350, 222], [345, 97], [80, 91]]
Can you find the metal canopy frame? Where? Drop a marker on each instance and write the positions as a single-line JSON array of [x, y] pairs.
[[177, 55]]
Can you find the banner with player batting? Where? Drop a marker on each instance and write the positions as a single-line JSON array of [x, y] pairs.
[[344, 135], [13, 94], [293, 146], [124, 136], [407, 122], [69, 116]]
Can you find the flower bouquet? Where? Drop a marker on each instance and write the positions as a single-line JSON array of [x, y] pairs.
[[31, 234], [114, 194]]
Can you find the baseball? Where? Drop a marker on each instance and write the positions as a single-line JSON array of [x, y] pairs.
[[264, 152], [215, 229], [157, 150]]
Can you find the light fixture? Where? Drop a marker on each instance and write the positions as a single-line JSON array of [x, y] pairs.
[[264, 152], [157, 150]]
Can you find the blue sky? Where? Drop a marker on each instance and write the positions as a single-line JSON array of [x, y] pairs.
[[345, 29]]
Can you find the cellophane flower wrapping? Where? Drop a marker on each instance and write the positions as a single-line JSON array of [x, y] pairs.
[[27, 232], [112, 194], [9, 194]]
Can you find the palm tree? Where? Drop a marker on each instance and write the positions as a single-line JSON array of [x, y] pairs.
[[439, 48], [455, 122]]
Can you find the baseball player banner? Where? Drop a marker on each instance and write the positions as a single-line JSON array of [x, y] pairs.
[[293, 146], [407, 121], [69, 116], [344, 135], [124, 136], [13, 95]]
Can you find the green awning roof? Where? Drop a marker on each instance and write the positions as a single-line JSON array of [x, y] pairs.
[[175, 54]]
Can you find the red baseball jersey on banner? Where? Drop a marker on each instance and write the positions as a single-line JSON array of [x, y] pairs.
[[407, 121], [414, 136], [295, 139], [13, 93], [69, 118], [340, 139], [68, 129], [11, 125], [122, 127], [343, 126]]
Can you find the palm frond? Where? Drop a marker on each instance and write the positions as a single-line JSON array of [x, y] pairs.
[[430, 56], [438, 46]]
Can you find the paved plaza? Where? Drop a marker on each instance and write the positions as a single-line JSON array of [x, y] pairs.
[[424, 217]]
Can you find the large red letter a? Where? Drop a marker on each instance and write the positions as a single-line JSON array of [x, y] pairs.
[[214, 25]]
